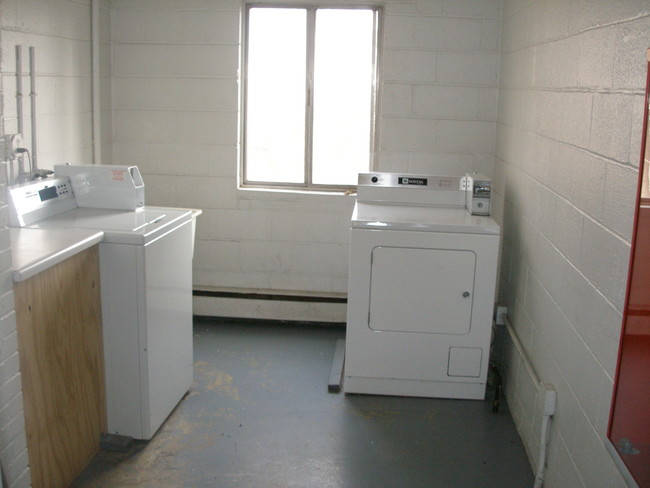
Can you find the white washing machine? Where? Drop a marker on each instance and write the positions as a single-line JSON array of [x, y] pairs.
[[146, 293], [421, 288]]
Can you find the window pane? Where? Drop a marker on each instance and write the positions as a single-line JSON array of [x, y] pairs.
[[343, 78], [275, 98]]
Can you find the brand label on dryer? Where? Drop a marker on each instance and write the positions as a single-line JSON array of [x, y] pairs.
[[404, 180]]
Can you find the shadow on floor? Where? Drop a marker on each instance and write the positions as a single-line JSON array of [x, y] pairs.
[[259, 415]]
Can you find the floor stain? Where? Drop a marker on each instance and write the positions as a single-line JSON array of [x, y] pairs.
[[217, 380]]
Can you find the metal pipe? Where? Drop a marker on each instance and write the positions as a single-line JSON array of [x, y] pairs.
[[520, 349], [549, 400], [19, 113], [19, 87], [32, 95], [541, 461], [96, 107]]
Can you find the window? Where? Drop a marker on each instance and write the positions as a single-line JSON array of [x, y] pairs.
[[309, 96]]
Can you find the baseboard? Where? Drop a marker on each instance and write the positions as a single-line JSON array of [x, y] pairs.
[[270, 305]]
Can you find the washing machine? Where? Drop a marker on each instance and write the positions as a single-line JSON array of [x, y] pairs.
[[422, 276], [146, 290]]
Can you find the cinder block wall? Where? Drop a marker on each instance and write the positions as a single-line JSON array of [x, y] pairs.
[[13, 441], [60, 32], [568, 142]]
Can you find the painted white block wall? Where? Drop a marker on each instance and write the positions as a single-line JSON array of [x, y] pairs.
[[176, 114], [568, 144], [13, 441], [439, 87], [60, 32], [105, 90]]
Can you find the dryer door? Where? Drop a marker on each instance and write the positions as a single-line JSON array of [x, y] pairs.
[[421, 290]]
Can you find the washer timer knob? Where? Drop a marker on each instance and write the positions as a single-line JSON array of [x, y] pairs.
[[374, 179]]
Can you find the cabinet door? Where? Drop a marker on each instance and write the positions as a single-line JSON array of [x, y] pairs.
[[421, 290], [58, 314]]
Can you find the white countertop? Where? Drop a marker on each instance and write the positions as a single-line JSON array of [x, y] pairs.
[[35, 250]]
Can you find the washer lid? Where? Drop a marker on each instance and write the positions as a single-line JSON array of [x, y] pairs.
[[420, 218], [120, 226]]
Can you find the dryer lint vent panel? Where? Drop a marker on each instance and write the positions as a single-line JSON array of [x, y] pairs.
[[465, 362]]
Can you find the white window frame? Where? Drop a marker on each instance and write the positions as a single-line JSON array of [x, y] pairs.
[[308, 185]]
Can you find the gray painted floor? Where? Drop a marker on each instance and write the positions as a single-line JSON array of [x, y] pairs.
[[260, 415]]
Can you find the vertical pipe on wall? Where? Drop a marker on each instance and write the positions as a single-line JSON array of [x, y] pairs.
[[19, 108], [548, 400], [19, 87], [32, 96], [97, 146]]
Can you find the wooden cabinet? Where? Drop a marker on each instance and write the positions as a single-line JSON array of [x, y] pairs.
[[58, 315]]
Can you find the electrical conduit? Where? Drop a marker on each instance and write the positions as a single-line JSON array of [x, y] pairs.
[[97, 153], [550, 397], [32, 95]]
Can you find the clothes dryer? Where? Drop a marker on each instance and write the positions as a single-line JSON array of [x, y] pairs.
[[421, 289]]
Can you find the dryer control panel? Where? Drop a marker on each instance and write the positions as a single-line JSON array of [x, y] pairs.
[[472, 191], [413, 182]]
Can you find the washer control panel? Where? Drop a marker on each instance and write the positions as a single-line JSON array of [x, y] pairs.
[[37, 200]]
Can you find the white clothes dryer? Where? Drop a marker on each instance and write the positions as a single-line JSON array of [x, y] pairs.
[[421, 288]]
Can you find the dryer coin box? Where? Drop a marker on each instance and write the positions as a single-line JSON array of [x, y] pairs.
[[105, 186], [479, 191]]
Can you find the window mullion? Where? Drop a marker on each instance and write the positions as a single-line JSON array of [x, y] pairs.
[[309, 104]]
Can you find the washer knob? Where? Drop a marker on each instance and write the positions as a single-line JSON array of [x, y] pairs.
[[466, 294], [374, 179]]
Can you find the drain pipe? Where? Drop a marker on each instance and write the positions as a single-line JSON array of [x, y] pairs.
[[550, 397], [96, 108], [32, 95], [548, 411], [19, 87], [19, 112]]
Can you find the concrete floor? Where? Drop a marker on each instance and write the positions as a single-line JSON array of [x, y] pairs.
[[260, 415]]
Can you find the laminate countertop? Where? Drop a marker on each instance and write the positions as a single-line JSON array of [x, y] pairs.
[[35, 250]]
